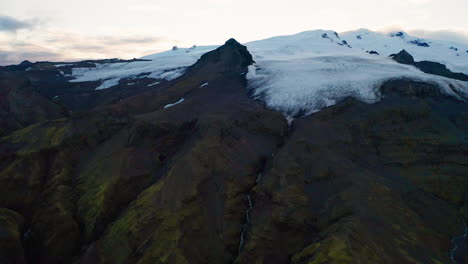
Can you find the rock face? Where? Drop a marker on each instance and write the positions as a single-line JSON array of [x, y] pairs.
[[428, 66], [21, 105], [403, 57], [152, 178], [359, 183]]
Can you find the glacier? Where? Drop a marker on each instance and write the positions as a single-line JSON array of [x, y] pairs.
[[306, 72]]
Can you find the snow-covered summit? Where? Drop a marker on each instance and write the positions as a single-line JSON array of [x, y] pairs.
[[453, 55]]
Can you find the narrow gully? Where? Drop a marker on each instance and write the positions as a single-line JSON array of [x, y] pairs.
[[245, 226]]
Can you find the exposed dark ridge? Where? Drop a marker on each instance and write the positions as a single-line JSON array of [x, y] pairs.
[[232, 56], [403, 57], [439, 69], [419, 43], [429, 67]]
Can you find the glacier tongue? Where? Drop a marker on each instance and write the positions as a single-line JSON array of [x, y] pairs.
[[303, 73]]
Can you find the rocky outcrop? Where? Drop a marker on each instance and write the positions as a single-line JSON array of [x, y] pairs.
[[403, 57], [428, 66], [21, 105]]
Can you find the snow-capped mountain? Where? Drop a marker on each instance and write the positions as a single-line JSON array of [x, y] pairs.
[[305, 72]]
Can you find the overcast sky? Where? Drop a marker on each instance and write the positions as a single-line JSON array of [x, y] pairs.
[[82, 29]]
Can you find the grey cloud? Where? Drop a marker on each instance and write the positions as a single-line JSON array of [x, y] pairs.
[[11, 24]]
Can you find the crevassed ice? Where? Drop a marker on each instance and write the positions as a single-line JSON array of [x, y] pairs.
[[453, 55], [304, 73]]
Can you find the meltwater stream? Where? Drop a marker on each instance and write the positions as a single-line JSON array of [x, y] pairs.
[[460, 248], [245, 226], [247, 222]]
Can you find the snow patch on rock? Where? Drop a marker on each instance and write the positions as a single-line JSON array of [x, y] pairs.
[[176, 103]]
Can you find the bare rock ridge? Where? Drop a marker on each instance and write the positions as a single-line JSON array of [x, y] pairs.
[[428, 66], [232, 55], [196, 171]]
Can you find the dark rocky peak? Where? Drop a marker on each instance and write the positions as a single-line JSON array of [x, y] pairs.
[[399, 34], [25, 63], [232, 42], [344, 43], [403, 57], [419, 43], [232, 56], [373, 52], [336, 35], [325, 36]]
